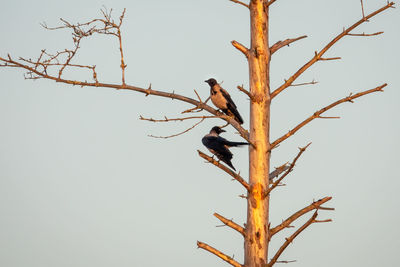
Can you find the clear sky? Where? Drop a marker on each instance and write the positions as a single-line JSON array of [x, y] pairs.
[[81, 183]]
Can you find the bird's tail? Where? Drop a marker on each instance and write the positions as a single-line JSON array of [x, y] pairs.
[[232, 111], [229, 163], [237, 143], [238, 118]]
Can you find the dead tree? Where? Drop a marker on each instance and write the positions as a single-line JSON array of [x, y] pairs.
[[257, 231]]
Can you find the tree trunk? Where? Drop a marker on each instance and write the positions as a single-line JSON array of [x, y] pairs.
[[257, 226]]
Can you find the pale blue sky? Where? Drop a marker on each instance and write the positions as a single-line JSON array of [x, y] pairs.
[[82, 185]]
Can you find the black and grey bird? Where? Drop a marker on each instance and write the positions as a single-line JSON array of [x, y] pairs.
[[222, 100], [219, 146]]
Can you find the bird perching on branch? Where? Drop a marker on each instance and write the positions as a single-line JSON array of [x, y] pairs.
[[219, 146], [222, 100]]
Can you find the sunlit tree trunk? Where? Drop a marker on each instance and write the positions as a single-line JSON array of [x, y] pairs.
[[256, 232]]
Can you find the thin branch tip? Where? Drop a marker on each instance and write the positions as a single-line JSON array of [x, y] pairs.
[[318, 55], [315, 205], [318, 113], [230, 223], [240, 3], [290, 239], [219, 254], [241, 48], [241, 88], [278, 45]]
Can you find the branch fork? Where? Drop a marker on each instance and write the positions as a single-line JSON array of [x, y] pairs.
[[319, 55], [318, 113], [285, 224]]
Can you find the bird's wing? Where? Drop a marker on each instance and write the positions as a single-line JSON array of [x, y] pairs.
[[228, 98], [231, 106], [218, 145]]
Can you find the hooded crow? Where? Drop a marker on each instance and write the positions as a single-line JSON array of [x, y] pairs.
[[222, 100], [220, 146]]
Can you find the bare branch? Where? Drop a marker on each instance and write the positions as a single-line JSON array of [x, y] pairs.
[[196, 109], [318, 56], [362, 9], [176, 119], [281, 44], [300, 84], [323, 221], [291, 166], [219, 254], [286, 223], [329, 58], [230, 223], [365, 34], [286, 261], [319, 112], [326, 117], [240, 3], [241, 88], [43, 74], [119, 35], [291, 238], [235, 176], [175, 135], [241, 48], [278, 171], [270, 2]]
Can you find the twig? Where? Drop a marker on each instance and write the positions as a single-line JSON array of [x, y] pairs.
[[323, 51], [323, 221], [329, 58], [31, 69], [326, 117], [176, 119], [286, 223], [241, 48], [235, 176], [198, 97], [286, 261], [278, 171], [365, 34], [300, 84], [281, 44], [291, 166], [196, 109], [319, 112], [174, 135], [219, 254], [104, 25], [230, 223], [362, 9], [240, 3], [119, 35], [291, 238], [241, 88]]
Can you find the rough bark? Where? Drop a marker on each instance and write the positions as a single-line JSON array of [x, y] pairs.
[[256, 232]]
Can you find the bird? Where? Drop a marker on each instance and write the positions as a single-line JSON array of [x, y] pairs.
[[219, 146], [222, 100]]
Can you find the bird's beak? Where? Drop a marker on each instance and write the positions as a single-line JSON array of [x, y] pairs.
[[223, 131], [206, 81]]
